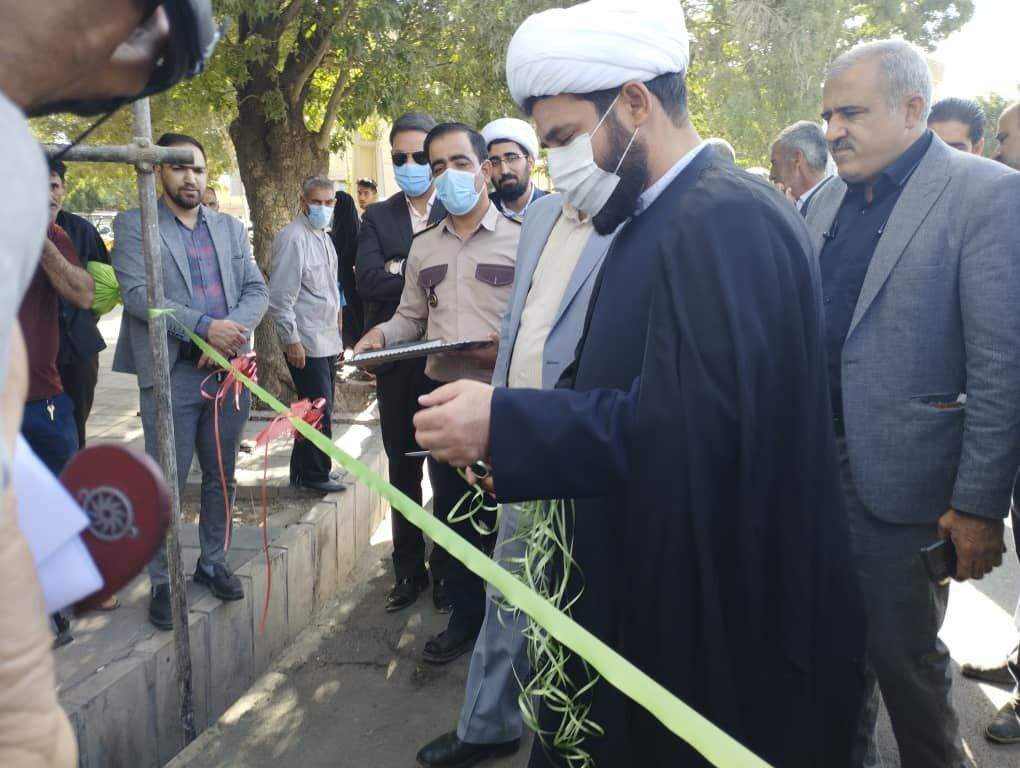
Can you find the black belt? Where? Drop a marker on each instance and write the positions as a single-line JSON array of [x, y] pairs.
[[190, 351]]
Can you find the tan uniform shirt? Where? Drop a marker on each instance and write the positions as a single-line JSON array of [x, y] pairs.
[[456, 290], [549, 282]]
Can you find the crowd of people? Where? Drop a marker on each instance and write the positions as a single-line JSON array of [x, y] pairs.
[[763, 391]]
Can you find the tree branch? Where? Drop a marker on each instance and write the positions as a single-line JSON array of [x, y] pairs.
[[286, 17], [340, 89], [305, 59]]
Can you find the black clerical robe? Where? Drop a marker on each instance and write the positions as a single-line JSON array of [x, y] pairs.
[[695, 435]]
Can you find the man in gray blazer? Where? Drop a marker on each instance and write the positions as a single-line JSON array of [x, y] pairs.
[[214, 287], [920, 274], [558, 260]]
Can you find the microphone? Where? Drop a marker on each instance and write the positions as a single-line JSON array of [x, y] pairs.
[[833, 231]]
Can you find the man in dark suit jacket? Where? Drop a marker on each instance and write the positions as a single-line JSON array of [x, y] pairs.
[[386, 232], [80, 339], [345, 239]]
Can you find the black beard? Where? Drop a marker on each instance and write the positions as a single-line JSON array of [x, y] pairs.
[[510, 192], [182, 202], [633, 173]]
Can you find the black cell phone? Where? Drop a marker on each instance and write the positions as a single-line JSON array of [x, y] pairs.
[[940, 560]]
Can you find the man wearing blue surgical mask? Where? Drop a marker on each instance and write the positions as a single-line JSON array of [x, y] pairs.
[[457, 284], [304, 300], [383, 242]]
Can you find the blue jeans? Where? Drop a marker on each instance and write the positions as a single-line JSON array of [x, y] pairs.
[[194, 433], [52, 434]]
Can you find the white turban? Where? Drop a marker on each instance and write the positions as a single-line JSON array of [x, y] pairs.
[[596, 45], [512, 129]]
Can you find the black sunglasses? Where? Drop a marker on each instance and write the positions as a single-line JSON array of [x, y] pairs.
[[400, 158]]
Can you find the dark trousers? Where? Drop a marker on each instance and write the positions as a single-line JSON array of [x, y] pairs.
[[48, 427], [79, 376], [466, 590], [353, 317], [398, 386], [317, 379]]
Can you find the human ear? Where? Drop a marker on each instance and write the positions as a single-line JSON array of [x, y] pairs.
[[637, 102]]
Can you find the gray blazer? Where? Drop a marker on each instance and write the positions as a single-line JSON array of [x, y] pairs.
[[561, 343], [243, 285], [931, 363]]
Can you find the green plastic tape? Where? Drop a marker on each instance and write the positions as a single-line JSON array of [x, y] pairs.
[[714, 744]]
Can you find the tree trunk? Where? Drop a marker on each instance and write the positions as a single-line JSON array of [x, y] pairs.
[[273, 158]]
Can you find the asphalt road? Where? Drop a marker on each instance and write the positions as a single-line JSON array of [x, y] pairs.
[[353, 692]]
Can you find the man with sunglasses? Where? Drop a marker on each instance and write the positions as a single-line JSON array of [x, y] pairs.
[[513, 147], [383, 243]]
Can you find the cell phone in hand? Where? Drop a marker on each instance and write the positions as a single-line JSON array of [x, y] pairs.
[[940, 561]]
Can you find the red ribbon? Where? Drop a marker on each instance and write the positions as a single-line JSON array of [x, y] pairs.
[[248, 367], [281, 426]]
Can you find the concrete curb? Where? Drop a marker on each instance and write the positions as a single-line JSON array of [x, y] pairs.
[[126, 712]]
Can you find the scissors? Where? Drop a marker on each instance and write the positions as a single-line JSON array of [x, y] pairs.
[[480, 470]]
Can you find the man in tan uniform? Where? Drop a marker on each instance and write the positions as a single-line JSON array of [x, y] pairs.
[[457, 281]]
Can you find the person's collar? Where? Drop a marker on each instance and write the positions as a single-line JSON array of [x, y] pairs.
[[428, 204], [489, 220], [899, 170], [199, 219], [803, 198], [651, 194]]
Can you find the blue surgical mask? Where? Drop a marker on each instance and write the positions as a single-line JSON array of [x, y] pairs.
[[413, 179], [319, 216], [456, 190]]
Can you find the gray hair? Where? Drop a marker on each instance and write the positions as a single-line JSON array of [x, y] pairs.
[[808, 139], [316, 182], [723, 149], [902, 68]]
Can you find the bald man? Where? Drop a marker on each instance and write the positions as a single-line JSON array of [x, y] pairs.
[[1008, 137]]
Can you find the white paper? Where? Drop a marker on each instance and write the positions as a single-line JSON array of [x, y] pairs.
[[51, 521]]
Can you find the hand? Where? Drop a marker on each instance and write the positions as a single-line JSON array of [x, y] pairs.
[[978, 543], [374, 339], [483, 358], [454, 424], [388, 266], [227, 336], [206, 362], [296, 355], [487, 484]]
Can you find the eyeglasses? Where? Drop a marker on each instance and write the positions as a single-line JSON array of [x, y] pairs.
[[400, 158], [509, 157]]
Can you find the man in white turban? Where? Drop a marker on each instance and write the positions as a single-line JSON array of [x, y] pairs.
[[513, 149], [693, 429]]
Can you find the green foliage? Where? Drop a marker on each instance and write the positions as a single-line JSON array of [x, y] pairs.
[[758, 65]]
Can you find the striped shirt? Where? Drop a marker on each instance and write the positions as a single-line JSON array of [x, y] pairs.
[[207, 294]]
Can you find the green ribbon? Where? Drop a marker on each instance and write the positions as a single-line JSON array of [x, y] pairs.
[[717, 746]]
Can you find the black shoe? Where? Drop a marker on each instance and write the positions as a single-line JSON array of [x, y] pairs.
[[223, 583], [1005, 728], [448, 751], [160, 615], [404, 593], [441, 596], [447, 646], [63, 627], [997, 674], [322, 486]]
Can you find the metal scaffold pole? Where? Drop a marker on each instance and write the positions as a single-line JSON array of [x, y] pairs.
[[143, 154]]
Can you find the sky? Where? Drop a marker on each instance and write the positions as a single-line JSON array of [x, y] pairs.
[[983, 56]]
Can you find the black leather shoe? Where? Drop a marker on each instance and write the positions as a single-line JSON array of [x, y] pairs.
[[447, 646], [160, 615], [223, 583], [404, 593], [1005, 728], [441, 596], [448, 751], [323, 486], [996, 674], [63, 627]]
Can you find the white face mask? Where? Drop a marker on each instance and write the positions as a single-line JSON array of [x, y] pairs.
[[578, 177]]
